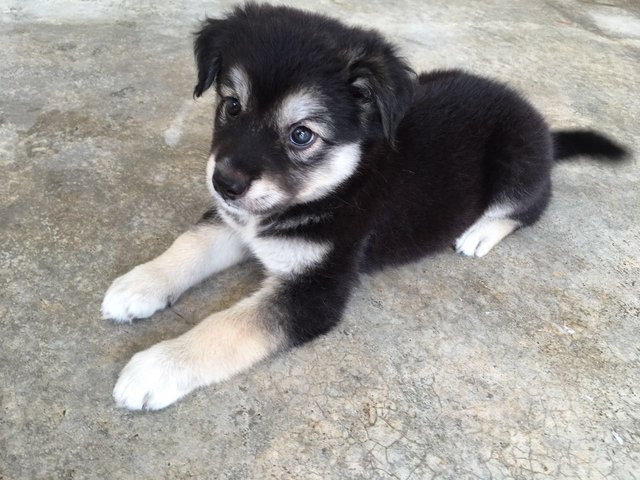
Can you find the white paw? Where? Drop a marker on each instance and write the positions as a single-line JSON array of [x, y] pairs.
[[137, 294], [483, 235], [153, 379]]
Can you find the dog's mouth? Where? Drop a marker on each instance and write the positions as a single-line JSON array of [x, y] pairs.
[[261, 206]]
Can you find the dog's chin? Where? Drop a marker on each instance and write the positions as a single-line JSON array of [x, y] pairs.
[[260, 211], [250, 207]]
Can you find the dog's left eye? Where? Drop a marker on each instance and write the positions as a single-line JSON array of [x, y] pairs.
[[232, 106], [302, 136]]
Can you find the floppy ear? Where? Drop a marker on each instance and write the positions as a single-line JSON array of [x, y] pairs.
[[207, 48], [382, 81]]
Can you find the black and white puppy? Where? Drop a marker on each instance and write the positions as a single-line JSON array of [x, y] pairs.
[[329, 158]]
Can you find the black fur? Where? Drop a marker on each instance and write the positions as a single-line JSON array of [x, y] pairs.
[[437, 150]]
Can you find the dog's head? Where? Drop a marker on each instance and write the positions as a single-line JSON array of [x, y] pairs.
[[298, 96]]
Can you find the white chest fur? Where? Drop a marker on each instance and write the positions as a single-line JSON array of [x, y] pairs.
[[286, 256], [279, 255]]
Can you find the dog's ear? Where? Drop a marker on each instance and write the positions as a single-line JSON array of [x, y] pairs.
[[379, 79], [207, 48]]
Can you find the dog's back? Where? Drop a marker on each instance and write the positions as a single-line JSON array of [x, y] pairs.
[[466, 145]]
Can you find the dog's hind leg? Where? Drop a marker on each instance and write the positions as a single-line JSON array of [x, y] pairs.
[[495, 224], [207, 248], [517, 181], [503, 218]]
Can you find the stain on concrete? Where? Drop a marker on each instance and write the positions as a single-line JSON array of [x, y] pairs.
[[617, 22], [54, 128]]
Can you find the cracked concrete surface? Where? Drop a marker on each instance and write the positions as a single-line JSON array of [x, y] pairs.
[[522, 365]]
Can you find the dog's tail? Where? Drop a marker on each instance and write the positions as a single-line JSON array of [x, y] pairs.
[[571, 143]]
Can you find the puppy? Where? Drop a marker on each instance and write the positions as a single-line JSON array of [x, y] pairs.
[[330, 158]]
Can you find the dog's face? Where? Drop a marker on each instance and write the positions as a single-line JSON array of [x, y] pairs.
[[299, 96], [292, 145]]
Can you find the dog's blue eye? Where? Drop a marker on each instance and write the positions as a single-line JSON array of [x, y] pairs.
[[233, 106], [302, 136]]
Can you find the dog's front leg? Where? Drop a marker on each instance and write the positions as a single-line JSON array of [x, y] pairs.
[[207, 248], [281, 314]]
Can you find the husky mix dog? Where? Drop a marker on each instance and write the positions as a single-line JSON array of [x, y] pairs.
[[330, 157]]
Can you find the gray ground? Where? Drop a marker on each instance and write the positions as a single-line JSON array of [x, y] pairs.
[[524, 364]]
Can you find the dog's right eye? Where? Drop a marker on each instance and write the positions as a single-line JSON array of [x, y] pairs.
[[232, 106]]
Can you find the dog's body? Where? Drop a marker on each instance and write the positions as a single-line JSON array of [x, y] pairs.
[[329, 158]]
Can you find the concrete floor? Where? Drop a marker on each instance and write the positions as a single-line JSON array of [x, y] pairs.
[[524, 364]]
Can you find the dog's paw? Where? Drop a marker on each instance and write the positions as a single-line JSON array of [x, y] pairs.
[[482, 236], [137, 294], [153, 379]]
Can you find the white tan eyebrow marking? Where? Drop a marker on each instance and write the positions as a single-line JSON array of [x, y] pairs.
[[299, 106], [237, 85]]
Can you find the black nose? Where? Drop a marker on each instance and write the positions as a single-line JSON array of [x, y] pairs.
[[231, 185]]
